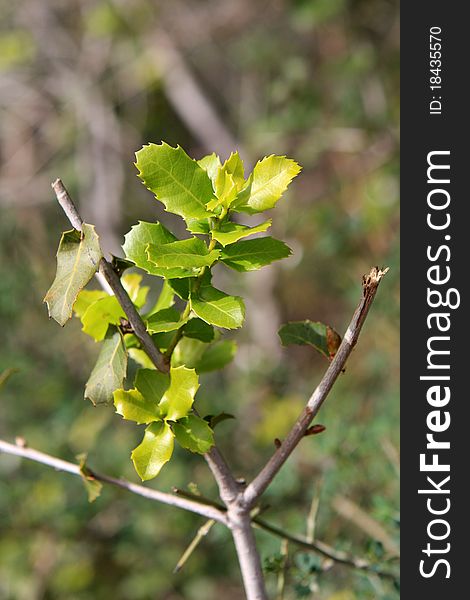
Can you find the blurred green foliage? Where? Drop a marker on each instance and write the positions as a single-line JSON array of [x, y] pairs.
[[83, 85]]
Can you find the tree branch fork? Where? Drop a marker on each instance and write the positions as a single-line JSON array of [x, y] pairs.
[[239, 499]]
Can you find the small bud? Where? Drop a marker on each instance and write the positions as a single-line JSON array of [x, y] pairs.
[[277, 443], [314, 429]]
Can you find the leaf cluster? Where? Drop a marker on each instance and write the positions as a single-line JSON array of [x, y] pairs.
[[188, 319]]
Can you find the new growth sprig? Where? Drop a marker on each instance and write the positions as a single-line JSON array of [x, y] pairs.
[[206, 194]]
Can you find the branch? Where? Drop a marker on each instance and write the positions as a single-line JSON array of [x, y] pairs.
[[191, 505], [325, 550], [259, 484], [112, 279], [317, 546], [228, 487]]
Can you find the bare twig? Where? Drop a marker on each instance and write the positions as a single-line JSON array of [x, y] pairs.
[[112, 279], [200, 535], [268, 472], [192, 505]]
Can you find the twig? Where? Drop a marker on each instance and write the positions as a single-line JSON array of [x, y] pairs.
[[192, 505], [108, 273], [269, 471], [282, 575], [325, 550], [312, 514], [201, 533]]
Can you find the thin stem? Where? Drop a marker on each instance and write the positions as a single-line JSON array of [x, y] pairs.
[[272, 467], [191, 505], [200, 535], [110, 276]]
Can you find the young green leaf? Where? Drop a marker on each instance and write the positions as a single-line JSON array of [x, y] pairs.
[[234, 165], [99, 315], [179, 397], [93, 486], [176, 180], [225, 190], [152, 384], [78, 258], [266, 184], [322, 337], [166, 299], [137, 294], [216, 308], [154, 451], [250, 255], [85, 299], [168, 319], [135, 246], [109, 371], [211, 165], [199, 330], [187, 254], [202, 357], [199, 226], [230, 232], [133, 406], [194, 434]]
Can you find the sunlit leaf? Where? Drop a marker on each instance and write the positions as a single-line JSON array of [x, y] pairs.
[[188, 254], [154, 451], [217, 308], [250, 255], [176, 180], [266, 184], [85, 299], [179, 397], [100, 315], [133, 406], [78, 258], [135, 246], [194, 434], [109, 371], [230, 232], [168, 319], [210, 164]]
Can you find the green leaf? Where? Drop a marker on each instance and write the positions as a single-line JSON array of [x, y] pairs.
[[217, 308], [152, 384], [175, 179], [197, 355], [154, 451], [166, 299], [179, 397], [234, 165], [194, 434], [137, 294], [168, 319], [214, 420], [199, 330], [100, 315], [181, 287], [85, 299], [93, 486], [199, 226], [136, 242], [216, 356], [229, 232], [109, 371], [133, 406], [250, 255], [225, 190], [78, 258], [210, 164], [322, 337], [266, 184], [187, 254], [141, 358]]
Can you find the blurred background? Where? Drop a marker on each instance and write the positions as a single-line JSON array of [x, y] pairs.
[[83, 84]]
